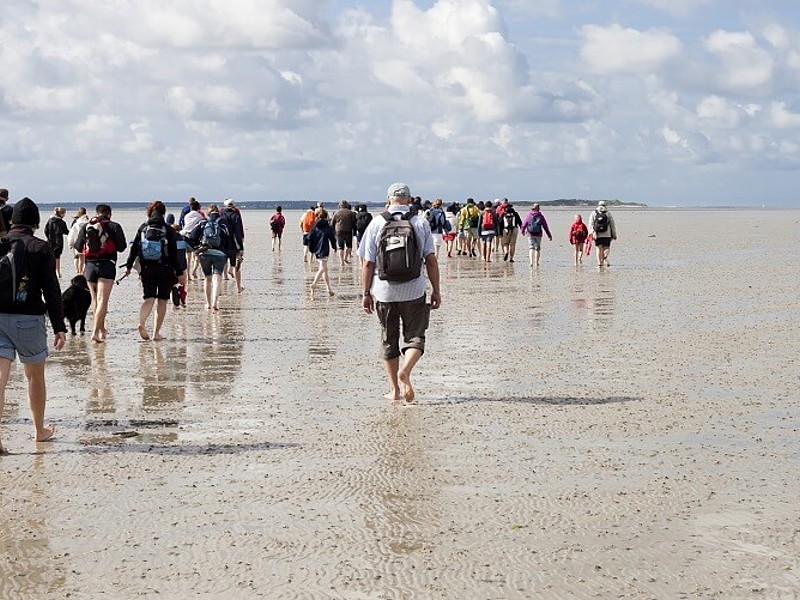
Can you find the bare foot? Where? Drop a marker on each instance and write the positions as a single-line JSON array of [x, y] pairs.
[[392, 396], [157, 337], [46, 434], [241, 289], [97, 339], [408, 391], [330, 293], [215, 308], [143, 332], [3, 451]]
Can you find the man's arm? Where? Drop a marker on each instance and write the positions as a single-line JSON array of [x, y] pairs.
[[432, 267], [367, 273]]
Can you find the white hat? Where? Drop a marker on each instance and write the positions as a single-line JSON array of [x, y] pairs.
[[398, 190], [229, 202]]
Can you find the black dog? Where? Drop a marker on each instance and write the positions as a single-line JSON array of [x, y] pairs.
[[76, 300]]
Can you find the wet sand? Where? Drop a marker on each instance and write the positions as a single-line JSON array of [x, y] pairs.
[[626, 433]]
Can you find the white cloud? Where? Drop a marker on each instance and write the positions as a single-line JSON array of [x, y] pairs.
[[782, 118], [618, 49], [720, 112], [745, 67]]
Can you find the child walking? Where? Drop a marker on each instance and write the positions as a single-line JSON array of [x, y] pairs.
[[320, 241]]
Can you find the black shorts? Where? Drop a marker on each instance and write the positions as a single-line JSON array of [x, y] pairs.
[[157, 280], [305, 239], [100, 269], [604, 242], [344, 241]]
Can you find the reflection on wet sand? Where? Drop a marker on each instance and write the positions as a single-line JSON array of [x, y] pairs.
[[101, 395]]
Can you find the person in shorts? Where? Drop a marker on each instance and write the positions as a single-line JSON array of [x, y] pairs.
[[214, 260], [23, 332], [399, 303], [306, 225], [344, 228], [101, 268], [604, 230], [158, 276], [277, 222], [533, 226]]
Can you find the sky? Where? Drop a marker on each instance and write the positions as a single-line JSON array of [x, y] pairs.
[[664, 102]]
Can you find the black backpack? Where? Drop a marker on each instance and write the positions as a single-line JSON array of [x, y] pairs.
[[399, 252], [600, 221], [13, 267], [362, 221]]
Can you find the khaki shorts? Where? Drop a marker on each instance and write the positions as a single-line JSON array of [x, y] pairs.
[[414, 315]]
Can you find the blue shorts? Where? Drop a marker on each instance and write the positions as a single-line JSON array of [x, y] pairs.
[[23, 335], [212, 262], [535, 242]]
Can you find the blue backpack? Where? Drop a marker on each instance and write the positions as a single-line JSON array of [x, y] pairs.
[[153, 243], [212, 234]]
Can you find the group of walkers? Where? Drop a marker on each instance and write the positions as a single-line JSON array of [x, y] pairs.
[[472, 230], [398, 250]]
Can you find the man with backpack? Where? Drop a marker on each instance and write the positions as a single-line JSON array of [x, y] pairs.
[[156, 247], [232, 218], [533, 226], [100, 241], [604, 230], [438, 223], [344, 228], [394, 248], [28, 289], [468, 220]]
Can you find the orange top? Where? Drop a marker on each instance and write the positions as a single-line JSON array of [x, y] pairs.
[[307, 222]]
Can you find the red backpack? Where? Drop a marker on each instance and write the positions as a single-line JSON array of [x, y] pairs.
[[488, 220]]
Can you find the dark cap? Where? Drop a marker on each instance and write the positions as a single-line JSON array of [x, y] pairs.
[[25, 213], [3, 194]]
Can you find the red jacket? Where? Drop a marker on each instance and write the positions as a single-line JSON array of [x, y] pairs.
[[578, 233]]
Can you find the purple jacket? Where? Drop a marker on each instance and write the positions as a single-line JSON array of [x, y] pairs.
[[542, 222]]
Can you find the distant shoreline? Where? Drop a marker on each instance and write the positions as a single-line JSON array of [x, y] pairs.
[[303, 204]]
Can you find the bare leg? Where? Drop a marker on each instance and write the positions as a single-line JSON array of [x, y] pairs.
[[144, 314], [237, 276], [207, 290], [58, 267], [216, 283], [104, 287], [410, 359], [5, 369], [161, 311], [37, 398], [536, 255], [392, 368], [600, 256], [326, 278]]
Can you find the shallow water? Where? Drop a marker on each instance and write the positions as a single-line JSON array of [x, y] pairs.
[[630, 432]]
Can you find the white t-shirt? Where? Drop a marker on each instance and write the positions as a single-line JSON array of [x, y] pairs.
[[391, 291]]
